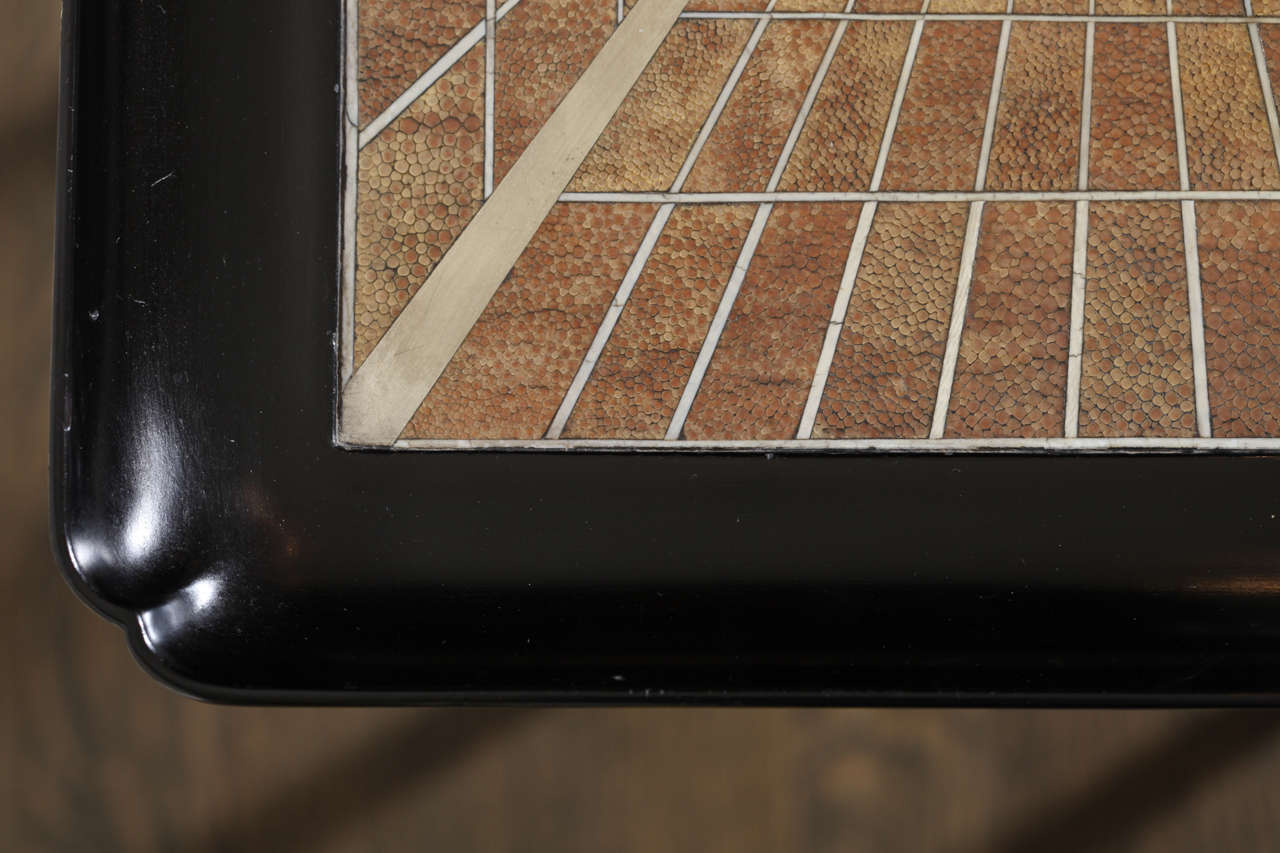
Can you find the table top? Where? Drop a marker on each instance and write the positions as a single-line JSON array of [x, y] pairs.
[[803, 225], [674, 352]]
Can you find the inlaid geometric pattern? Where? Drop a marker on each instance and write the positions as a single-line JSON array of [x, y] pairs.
[[865, 225]]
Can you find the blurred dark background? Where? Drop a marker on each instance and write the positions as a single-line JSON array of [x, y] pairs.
[[97, 757]]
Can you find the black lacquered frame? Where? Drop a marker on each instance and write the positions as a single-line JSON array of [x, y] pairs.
[[200, 501]]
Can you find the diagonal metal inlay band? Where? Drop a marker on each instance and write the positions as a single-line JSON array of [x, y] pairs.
[[384, 393]]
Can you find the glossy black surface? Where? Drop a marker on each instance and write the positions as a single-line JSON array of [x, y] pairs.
[[198, 498]]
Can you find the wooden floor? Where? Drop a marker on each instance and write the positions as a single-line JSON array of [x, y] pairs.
[[97, 757]]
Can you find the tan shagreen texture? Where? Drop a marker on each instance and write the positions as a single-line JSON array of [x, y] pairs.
[[939, 133], [1130, 7], [967, 7], [638, 380], [1136, 377], [647, 141], [1011, 375], [1229, 143], [1269, 35], [421, 181], [837, 149], [809, 6], [1208, 7], [509, 376], [884, 376], [1036, 145], [1051, 7], [1239, 274], [878, 7], [721, 5], [1133, 145], [401, 39], [759, 378], [742, 151], [542, 47]]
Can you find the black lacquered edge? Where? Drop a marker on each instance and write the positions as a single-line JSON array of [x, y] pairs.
[[73, 91], [198, 498]]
